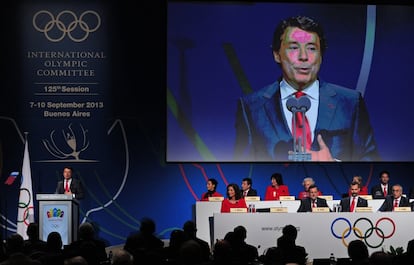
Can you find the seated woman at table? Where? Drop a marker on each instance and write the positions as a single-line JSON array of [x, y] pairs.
[[211, 190], [233, 200], [306, 183], [364, 189], [277, 189]]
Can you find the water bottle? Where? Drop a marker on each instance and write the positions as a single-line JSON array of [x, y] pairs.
[[253, 208], [332, 260], [250, 208]]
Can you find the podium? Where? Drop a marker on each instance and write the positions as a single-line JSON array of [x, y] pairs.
[[58, 213]]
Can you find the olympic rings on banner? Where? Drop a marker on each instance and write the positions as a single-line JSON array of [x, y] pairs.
[[367, 234]]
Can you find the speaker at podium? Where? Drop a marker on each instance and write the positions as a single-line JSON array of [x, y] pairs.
[[58, 213]]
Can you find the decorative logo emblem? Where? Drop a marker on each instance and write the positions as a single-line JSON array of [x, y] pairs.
[[66, 23], [55, 213], [365, 232]]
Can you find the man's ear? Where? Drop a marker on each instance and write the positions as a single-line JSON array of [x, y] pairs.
[[276, 56]]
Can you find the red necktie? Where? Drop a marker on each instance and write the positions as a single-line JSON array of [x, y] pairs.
[[352, 205], [314, 204], [245, 193], [67, 186], [300, 125], [395, 203], [385, 191]]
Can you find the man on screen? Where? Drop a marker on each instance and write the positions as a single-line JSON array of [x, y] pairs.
[[336, 126], [70, 185]]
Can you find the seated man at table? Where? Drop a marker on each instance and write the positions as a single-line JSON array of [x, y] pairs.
[[312, 201], [247, 189], [396, 200], [350, 203]]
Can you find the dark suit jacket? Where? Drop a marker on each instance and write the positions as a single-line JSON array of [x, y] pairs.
[[388, 204], [262, 133], [346, 204], [378, 193], [75, 186], [251, 192], [305, 204]]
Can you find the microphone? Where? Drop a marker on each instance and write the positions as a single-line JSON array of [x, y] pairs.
[[296, 105]]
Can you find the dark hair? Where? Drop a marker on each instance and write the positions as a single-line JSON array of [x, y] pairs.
[[313, 186], [290, 232], [277, 177], [214, 182], [236, 188], [68, 167], [303, 22], [384, 172], [248, 180]]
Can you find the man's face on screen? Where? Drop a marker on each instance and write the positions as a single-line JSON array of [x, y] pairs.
[[299, 56]]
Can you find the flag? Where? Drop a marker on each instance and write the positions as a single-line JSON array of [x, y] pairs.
[[25, 214], [12, 177]]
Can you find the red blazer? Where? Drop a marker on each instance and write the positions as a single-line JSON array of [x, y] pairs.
[[273, 193], [226, 205], [215, 194]]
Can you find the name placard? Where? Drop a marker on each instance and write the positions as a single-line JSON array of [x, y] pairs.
[[286, 198], [402, 209], [363, 209], [238, 210], [215, 199], [366, 197], [320, 210], [279, 209], [326, 197], [252, 198]]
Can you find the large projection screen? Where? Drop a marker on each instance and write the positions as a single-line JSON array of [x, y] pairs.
[[220, 52]]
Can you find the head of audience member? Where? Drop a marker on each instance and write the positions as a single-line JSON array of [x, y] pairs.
[[397, 191], [313, 192], [288, 238], [190, 229], [33, 231], [222, 252], [355, 188], [14, 244], [54, 241], [86, 231], [357, 250], [233, 192], [147, 226], [380, 258], [212, 184], [384, 177], [190, 253], [177, 238], [240, 233], [273, 256], [307, 182], [246, 184], [122, 257], [276, 179], [77, 260]]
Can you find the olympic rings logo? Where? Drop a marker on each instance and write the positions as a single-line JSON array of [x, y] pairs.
[[363, 235], [55, 29]]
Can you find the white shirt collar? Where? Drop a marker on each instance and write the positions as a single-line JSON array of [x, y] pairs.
[[287, 90]]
